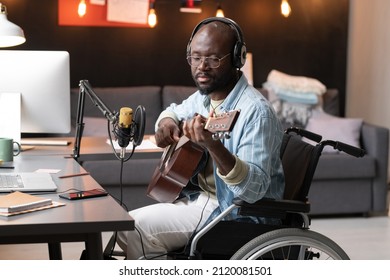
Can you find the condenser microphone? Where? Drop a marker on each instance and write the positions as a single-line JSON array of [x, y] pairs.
[[128, 128], [124, 127]]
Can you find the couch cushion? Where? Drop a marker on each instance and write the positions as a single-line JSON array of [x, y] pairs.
[[343, 166], [95, 126], [346, 130], [175, 94], [116, 97], [349, 196]]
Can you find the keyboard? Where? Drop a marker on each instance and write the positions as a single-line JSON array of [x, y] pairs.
[[11, 181]]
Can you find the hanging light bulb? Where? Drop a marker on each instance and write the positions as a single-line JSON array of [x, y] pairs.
[[152, 17], [82, 9], [285, 8], [219, 11]]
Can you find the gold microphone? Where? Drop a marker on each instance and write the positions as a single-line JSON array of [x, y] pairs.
[[123, 133], [125, 117]]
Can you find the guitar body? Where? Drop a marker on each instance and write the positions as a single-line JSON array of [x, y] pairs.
[[176, 167], [178, 162]]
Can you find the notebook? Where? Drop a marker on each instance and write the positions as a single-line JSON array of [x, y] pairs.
[[18, 201], [26, 182]]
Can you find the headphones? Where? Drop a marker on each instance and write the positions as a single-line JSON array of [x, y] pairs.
[[239, 52]]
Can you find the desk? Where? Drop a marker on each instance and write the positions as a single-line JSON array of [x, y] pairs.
[[92, 148], [97, 157], [80, 220]]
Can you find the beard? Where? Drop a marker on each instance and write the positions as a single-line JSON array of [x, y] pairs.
[[205, 90], [217, 83]]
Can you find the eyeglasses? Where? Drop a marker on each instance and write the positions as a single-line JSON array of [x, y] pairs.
[[212, 62]]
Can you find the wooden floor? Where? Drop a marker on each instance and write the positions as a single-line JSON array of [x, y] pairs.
[[361, 238]]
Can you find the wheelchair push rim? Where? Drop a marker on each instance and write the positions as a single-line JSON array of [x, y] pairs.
[[291, 243]]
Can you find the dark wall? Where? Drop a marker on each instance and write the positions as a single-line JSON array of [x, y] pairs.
[[311, 42]]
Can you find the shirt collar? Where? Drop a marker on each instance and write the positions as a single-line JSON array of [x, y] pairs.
[[233, 96]]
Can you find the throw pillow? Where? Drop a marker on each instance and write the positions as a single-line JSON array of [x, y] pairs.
[[346, 130]]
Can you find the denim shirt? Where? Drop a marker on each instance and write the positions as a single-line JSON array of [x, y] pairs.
[[255, 139]]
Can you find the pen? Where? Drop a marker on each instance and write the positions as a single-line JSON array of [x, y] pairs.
[[73, 175], [8, 167]]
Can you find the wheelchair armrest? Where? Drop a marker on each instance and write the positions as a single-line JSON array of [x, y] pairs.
[[267, 207]]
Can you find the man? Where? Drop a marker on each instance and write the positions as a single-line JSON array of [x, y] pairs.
[[247, 165]]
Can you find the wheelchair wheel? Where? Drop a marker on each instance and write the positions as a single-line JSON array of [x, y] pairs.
[[291, 244]]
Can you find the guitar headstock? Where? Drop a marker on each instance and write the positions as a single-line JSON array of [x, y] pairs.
[[222, 124]]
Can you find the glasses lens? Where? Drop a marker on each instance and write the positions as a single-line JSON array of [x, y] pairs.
[[195, 61], [213, 62]]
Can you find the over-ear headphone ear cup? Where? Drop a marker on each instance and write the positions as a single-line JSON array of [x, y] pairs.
[[239, 55], [243, 55]]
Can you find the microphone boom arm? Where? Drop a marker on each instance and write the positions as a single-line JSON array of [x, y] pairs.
[[112, 117]]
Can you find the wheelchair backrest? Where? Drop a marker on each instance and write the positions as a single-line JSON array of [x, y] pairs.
[[299, 160]]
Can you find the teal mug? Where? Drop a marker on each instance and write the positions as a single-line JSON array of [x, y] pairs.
[[7, 151]]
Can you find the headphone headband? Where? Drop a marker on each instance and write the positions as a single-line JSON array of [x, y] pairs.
[[239, 51]]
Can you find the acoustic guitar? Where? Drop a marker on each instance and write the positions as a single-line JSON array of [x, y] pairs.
[[179, 161]]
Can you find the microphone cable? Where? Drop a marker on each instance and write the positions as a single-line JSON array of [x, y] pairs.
[[110, 247]]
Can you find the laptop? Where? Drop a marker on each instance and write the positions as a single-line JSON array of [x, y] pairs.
[[27, 182]]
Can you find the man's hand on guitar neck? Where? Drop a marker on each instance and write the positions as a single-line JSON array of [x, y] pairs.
[[168, 132], [195, 130]]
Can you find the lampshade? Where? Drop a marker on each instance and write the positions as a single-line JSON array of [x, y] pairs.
[[10, 34]]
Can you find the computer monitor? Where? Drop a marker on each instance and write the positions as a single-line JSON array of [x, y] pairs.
[[43, 80]]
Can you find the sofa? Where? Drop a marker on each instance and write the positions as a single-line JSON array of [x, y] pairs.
[[342, 184]]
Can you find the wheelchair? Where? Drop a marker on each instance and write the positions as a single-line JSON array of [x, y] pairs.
[[291, 239]]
